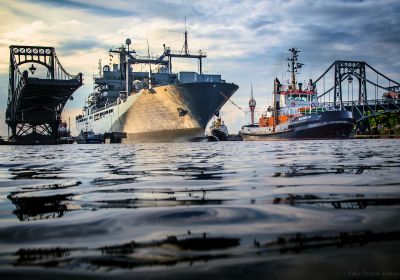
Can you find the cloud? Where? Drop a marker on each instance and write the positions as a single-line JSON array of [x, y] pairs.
[[260, 23], [84, 43], [100, 10]]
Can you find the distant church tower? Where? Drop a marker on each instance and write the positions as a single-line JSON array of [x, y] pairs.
[[252, 104]]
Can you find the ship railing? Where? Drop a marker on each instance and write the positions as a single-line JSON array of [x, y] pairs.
[[309, 110], [331, 106], [303, 110], [108, 105]]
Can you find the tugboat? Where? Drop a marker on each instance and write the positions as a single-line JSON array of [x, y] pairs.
[[64, 134], [218, 130], [296, 113], [89, 137]]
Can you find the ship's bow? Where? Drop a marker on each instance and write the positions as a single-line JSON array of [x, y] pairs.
[[203, 100]]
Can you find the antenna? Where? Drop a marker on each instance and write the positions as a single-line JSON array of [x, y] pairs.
[[100, 67], [185, 45], [148, 55], [294, 66]]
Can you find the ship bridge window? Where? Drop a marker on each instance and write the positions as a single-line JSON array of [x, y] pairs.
[[304, 97], [300, 97]]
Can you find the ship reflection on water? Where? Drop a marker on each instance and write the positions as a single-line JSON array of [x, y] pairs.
[[44, 207], [197, 210], [357, 202], [32, 205], [165, 252], [186, 249]]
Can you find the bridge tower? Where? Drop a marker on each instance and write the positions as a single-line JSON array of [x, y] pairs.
[[344, 70], [34, 104], [252, 105]]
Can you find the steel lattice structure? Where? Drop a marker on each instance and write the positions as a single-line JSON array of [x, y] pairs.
[[362, 105], [34, 105]]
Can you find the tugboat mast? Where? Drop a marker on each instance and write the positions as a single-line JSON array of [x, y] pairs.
[[294, 66]]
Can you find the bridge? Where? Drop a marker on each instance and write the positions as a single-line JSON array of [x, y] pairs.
[[358, 87], [34, 103]]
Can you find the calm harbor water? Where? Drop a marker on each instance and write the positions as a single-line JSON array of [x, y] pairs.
[[242, 210]]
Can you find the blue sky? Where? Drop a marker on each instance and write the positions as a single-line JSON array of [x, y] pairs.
[[246, 41]]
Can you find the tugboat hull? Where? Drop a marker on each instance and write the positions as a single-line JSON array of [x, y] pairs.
[[221, 136], [326, 125]]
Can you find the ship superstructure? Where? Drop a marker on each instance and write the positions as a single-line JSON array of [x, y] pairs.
[[157, 104]]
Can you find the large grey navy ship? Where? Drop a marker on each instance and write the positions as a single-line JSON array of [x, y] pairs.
[[153, 105]]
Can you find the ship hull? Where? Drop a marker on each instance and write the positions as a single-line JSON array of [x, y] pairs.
[[326, 125], [173, 135], [163, 113]]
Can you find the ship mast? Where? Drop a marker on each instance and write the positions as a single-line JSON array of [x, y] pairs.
[[127, 59], [185, 53], [124, 63], [185, 44], [148, 55], [294, 66]]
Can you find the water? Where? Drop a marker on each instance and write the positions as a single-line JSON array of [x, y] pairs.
[[243, 210]]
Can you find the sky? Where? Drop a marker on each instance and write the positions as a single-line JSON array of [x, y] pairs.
[[246, 41]]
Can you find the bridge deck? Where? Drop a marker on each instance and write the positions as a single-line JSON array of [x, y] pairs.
[[41, 98]]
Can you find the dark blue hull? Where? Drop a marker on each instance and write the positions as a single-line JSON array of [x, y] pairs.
[[329, 124], [205, 99], [324, 125], [83, 140], [221, 136]]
